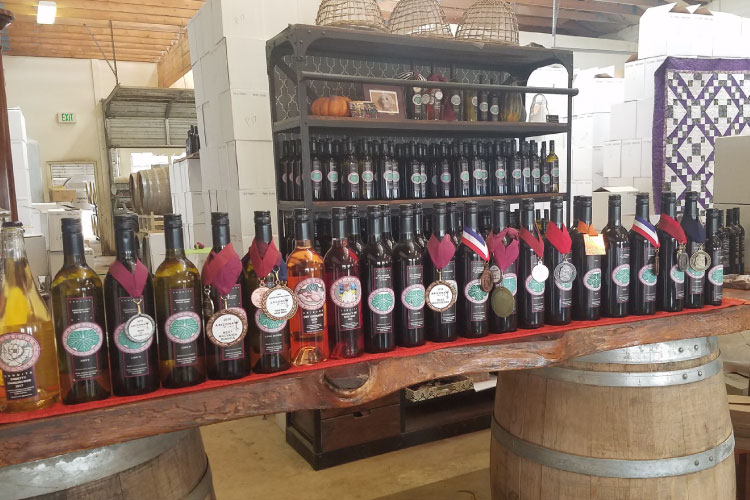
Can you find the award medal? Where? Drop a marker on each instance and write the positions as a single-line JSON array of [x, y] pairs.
[[440, 295], [565, 272], [474, 241], [540, 272], [675, 230], [502, 300], [645, 229], [278, 302], [695, 232], [141, 327]]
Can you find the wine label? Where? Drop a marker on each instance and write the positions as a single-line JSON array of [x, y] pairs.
[[536, 173], [233, 302], [416, 178], [316, 175], [183, 327], [621, 274], [500, 173], [592, 280], [678, 279], [381, 300], [526, 172], [353, 178], [82, 338], [725, 252], [474, 100], [412, 297], [449, 276], [715, 276], [535, 288], [479, 174], [333, 176], [367, 174], [565, 289], [456, 99], [546, 179], [445, 178], [696, 279], [256, 298], [274, 337], [311, 298], [495, 109], [19, 353], [346, 295], [483, 106], [134, 359], [464, 176], [477, 297]]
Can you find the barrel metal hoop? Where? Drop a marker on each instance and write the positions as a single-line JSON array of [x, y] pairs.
[[634, 379], [613, 468], [662, 352]]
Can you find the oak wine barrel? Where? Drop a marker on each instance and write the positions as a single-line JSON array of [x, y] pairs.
[[154, 191], [648, 423], [165, 467], [135, 191]]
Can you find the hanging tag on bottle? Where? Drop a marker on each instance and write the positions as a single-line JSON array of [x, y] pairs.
[[502, 302], [594, 245], [141, 327], [226, 327], [682, 258], [280, 302], [440, 295], [540, 272], [565, 272], [486, 280], [258, 294], [700, 260], [656, 261]]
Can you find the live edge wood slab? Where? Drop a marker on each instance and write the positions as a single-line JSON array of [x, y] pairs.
[[343, 386]]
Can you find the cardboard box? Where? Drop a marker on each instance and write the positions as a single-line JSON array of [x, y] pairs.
[[728, 37], [598, 95], [673, 30], [630, 158], [196, 208], [212, 122], [650, 67], [193, 177], [209, 166], [646, 158], [580, 188], [245, 115], [623, 121], [19, 154], [600, 203], [240, 18], [612, 157], [53, 226], [731, 175], [583, 166], [634, 80], [251, 165], [155, 250], [62, 195], [17, 125], [644, 124], [242, 57]]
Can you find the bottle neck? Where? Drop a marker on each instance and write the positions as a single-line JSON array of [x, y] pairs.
[[125, 246], [736, 218], [263, 232], [641, 209], [303, 234], [556, 215], [355, 228], [584, 214], [712, 225], [387, 224], [13, 245], [338, 230], [73, 252], [406, 227], [440, 224], [615, 215], [471, 220], [418, 223], [374, 229], [668, 208], [552, 147], [220, 233], [527, 219], [174, 241], [499, 221], [691, 209]]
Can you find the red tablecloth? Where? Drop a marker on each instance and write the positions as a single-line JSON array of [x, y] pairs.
[[60, 409]]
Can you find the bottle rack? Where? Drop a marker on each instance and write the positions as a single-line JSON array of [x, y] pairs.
[[305, 62]]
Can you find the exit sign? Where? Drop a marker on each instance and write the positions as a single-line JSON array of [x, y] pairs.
[[66, 117]]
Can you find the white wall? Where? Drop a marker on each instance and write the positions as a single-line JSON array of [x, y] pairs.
[[739, 7]]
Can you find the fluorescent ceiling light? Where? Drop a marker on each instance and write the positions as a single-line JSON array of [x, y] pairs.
[[45, 12]]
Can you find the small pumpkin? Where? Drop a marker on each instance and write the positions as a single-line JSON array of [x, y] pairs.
[[315, 108], [330, 106]]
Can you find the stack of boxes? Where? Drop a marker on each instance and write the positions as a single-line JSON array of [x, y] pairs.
[[20, 157], [227, 46], [190, 200]]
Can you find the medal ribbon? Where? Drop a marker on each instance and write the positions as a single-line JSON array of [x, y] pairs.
[[694, 230], [584, 228], [264, 256], [441, 251], [476, 243], [672, 228], [132, 282], [560, 238], [534, 241], [645, 229], [222, 269], [503, 256]]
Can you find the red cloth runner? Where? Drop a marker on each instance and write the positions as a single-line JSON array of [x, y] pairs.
[[672, 228], [264, 256], [560, 238], [222, 269], [132, 282], [399, 352]]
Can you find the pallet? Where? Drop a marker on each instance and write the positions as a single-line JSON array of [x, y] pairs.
[[151, 223]]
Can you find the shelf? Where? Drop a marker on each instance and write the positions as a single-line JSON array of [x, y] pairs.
[[321, 206], [349, 384], [432, 128]]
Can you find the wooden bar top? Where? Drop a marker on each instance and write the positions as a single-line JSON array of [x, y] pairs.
[[343, 386]]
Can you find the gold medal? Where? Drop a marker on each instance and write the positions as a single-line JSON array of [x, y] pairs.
[[279, 303], [226, 327], [656, 261], [682, 258], [502, 302], [485, 279], [440, 295]]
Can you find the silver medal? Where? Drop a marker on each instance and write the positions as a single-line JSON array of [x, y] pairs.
[[565, 272], [700, 260], [682, 258], [540, 273]]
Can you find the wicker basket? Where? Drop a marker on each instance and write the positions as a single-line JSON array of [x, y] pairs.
[[351, 14], [419, 18], [489, 21]]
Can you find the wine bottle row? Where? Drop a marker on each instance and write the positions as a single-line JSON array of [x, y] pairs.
[[384, 170], [264, 313]]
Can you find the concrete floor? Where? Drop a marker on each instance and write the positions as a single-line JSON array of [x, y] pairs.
[[250, 459]]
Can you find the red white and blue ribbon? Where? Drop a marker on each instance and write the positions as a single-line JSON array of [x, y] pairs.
[[648, 231], [476, 243]]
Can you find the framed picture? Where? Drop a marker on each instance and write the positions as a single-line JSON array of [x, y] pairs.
[[388, 100]]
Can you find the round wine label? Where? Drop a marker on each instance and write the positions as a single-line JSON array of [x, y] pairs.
[[333, 176], [677, 275], [346, 292], [268, 325], [257, 296], [478, 174], [474, 100], [497, 274], [368, 176], [283, 177], [183, 327], [353, 178], [445, 178], [124, 344], [18, 352], [464, 176], [416, 178], [388, 176], [536, 173], [534, 287], [412, 297], [564, 286], [316, 175], [592, 280], [396, 176], [140, 328], [439, 94], [440, 296], [716, 275], [545, 179], [298, 180], [424, 179], [517, 174], [227, 327], [484, 107], [279, 303], [647, 276], [456, 100], [381, 301], [510, 281], [540, 272], [417, 99], [621, 275], [474, 293], [82, 339], [311, 293], [434, 180], [495, 109], [526, 172], [695, 274], [500, 173]]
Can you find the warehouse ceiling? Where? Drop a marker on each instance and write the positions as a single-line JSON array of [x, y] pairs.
[[145, 30]]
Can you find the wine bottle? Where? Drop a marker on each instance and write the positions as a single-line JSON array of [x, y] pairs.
[[554, 167], [441, 326], [732, 242], [588, 283], [503, 266], [129, 302], [696, 238], [177, 293], [297, 168], [740, 242], [268, 338], [283, 163], [316, 170], [78, 312], [477, 172], [433, 171], [408, 270], [463, 174], [457, 103], [369, 187], [616, 272], [644, 249], [472, 261], [377, 281], [454, 226], [484, 106], [445, 178], [331, 182], [396, 174], [530, 262], [345, 293], [385, 210], [27, 339], [715, 275], [471, 105], [349, 168], [526, 180], [288, 243], [516, 169], [308, 327], [536, 168], [500, 177], [354, 231], [485, 223], [494, 101], [558, 259], [226, 322], [383, 172], [419, 237], [670, 284], [724, 236]]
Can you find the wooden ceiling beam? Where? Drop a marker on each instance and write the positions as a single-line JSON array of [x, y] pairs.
[[100, 18], [103, 23], [34, 52], [643, 4], [79, 38], [89, 43], [174, 64], [92, 49], [114, 6], [61, 29], [629, 12]]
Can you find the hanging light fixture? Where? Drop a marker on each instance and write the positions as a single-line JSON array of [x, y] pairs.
[[46, 12]]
